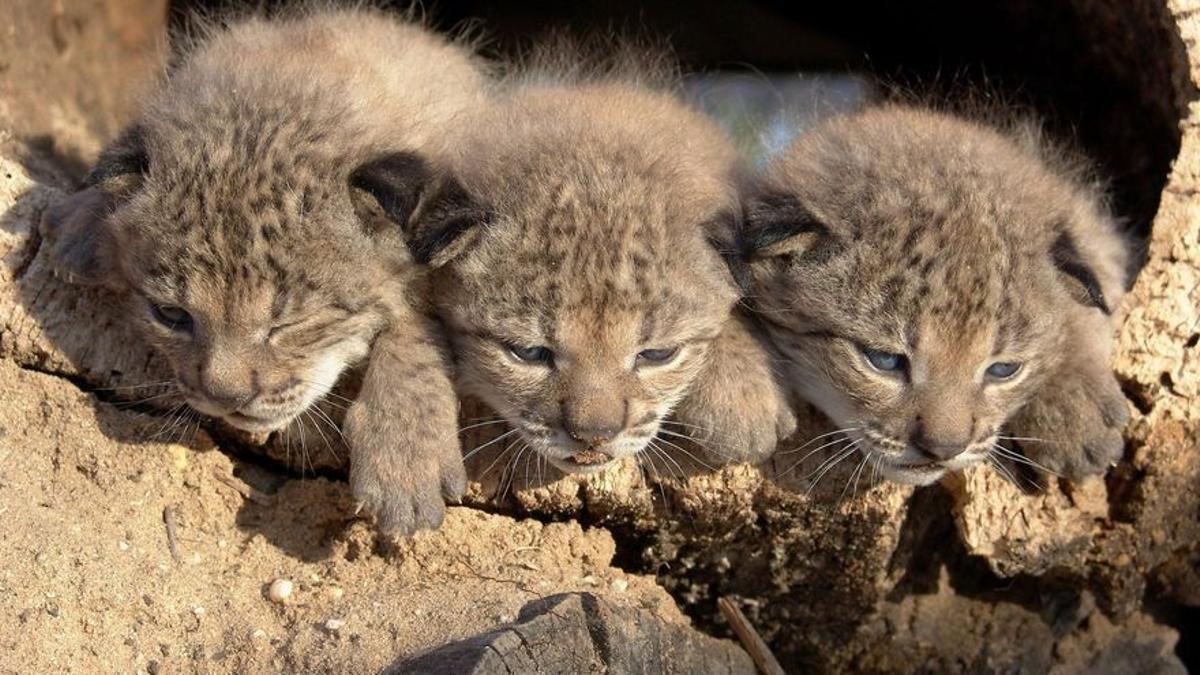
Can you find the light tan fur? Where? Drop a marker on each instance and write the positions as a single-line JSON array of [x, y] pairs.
[[252, 216], [954, 246], [590, 203]]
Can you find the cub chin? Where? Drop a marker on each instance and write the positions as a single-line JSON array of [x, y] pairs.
[[578, 283], [252, 219], [942, 290]]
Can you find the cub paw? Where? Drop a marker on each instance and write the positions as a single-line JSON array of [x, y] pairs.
[[1075, 428], [409, 493], [747, 433], [403, 481]]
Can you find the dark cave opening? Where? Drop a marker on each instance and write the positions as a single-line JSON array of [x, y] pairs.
[[1108, 77]]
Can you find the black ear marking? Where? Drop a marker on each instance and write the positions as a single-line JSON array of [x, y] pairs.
[[125, 157], [778, 223], [446, 223], [1071, 264], [724, 233], [396, 182]]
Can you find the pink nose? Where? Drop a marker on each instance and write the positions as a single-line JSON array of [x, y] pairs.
[[938, 451], [593, 437]]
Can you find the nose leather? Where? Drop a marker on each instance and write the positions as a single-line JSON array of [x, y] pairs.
[[227, 381], [593, 437], [938, 451]]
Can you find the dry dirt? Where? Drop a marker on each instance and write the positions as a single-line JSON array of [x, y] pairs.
[[90, 582]]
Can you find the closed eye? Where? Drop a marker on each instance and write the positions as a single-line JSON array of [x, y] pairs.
[[173, 317], [656, 357], [279, 328]]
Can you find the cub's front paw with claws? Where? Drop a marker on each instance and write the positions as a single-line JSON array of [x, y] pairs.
[[406, 493], [403, 481], [737, 410], [739, 426], [1074, 425]]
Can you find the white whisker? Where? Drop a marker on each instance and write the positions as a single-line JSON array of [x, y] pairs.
[[693, 457], [497, 439], [817, 438], [829, 465], [1021, 459]]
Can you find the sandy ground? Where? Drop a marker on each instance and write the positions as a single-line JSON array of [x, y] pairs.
[[90, 583]]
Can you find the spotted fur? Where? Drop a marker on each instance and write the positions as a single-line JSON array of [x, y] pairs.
[[579, 219], [262, 194], [957, 246]]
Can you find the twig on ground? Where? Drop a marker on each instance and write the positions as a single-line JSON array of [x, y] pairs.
[[247, 492], [751, 641], [172, 536]]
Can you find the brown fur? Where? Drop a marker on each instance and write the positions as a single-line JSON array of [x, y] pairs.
[[243, 195], [957, 246], [579, 220]]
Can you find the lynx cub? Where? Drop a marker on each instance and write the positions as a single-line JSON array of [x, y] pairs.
[[252, 218], [577, 279], [940, 288]]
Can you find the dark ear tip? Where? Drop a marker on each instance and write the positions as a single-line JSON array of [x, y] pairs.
[[126, 156], [774, 220], [1068, 261], [450, 213], [395, 181]]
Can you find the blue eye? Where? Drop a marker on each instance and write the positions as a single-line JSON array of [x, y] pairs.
[[536, 354], [1002, 370], [175, 318], [657, 355], [886, 362]]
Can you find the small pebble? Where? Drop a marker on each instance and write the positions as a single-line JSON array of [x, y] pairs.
[[259, 634], [123, 545], [336, 592], [198, 610], [334, 625], [281, 590], [619, 585], [590, 580]]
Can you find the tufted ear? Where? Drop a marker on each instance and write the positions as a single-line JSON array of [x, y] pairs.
[[76, 231], [447, 223], [386, 190], [433, 209], [778, 223], [1077, 275]]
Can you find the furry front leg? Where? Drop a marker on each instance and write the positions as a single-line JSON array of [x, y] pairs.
[[737, 410], [405, 459], [1073, 426], [1075, 421]]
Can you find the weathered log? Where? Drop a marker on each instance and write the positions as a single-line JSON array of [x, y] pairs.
[[582, 633]]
